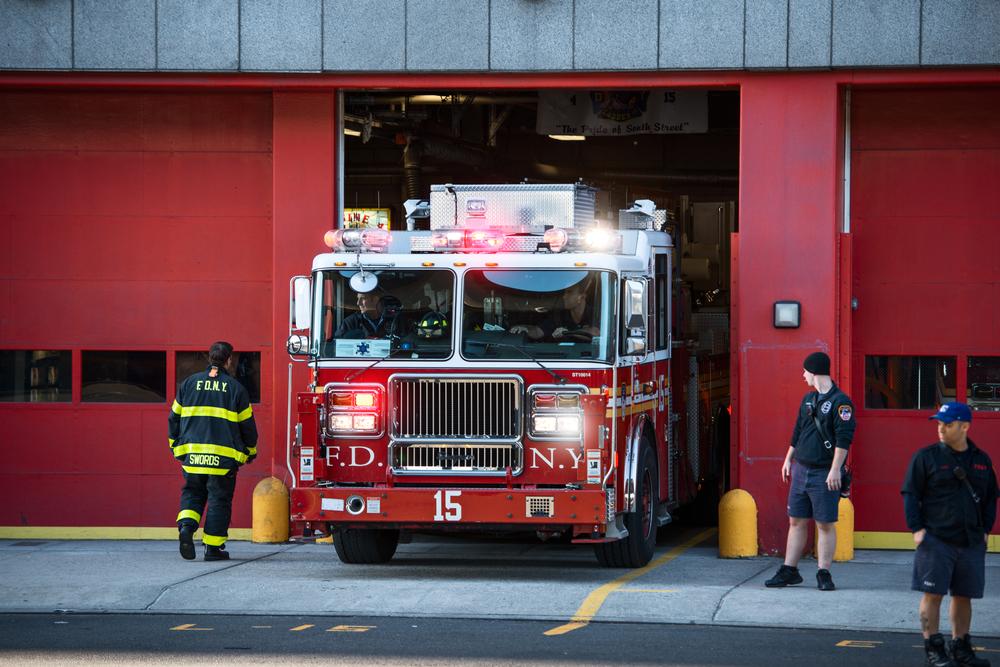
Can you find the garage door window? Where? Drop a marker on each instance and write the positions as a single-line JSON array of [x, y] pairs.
[[983, 388], [35, 376], [123, 377], [908, 383]]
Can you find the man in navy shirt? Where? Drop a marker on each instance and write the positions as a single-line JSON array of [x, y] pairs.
[[814, 463], [950, 500]]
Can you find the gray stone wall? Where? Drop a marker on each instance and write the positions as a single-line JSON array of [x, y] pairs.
[[494, 35]]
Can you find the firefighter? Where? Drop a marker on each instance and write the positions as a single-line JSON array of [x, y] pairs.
[[814, 464], [212, 433], [950, 501]]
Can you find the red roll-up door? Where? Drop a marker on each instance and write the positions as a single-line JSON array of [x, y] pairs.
[[131, 223], [925, 221]]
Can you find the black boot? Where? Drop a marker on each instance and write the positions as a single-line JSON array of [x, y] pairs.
[[185, 536], [962, 653], [937, 653], [785, 576], [824, 581], [216, 553]]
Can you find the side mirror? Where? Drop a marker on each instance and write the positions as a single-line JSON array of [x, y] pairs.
[[300, 306], [635, 345], [635, 316], [297, 344]]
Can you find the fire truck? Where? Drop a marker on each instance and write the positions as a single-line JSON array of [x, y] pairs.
[[511, 368]]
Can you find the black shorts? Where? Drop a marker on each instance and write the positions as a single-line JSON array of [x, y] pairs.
[[808, 497], [939, 568]]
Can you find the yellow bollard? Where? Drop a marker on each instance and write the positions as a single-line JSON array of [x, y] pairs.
[[845, 531], [270, 511], [737, 525]]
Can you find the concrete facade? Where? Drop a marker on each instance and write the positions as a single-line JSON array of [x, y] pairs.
[[494, 35]]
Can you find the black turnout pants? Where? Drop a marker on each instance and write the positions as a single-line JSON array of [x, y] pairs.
[[217, 491]]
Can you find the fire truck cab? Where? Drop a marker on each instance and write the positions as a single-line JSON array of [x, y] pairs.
[[508, 369]]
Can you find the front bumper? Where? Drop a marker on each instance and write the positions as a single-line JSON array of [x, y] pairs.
[[442, 507]]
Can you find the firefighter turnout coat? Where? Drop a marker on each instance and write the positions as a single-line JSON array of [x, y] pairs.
[[211, 426]]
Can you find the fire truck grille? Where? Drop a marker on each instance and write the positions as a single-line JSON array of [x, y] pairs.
[[435, 408], [460, 459]]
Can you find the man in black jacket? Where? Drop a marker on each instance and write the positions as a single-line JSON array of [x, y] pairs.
[[814, 463], [950, 500], [212, 433]]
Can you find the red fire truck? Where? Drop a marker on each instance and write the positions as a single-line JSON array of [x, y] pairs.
[[510, 368]]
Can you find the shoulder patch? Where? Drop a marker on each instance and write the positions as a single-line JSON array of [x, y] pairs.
[[825, 408], [845, 412]]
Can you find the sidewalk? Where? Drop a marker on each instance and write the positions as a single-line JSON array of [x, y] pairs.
[[445, 577]]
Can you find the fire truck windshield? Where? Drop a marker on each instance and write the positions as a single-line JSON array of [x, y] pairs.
[[407, 316], [554, 314]]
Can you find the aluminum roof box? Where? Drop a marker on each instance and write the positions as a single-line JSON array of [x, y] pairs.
[[516, 207]]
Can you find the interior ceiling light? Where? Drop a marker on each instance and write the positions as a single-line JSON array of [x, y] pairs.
[[567, 137], [352, 132]]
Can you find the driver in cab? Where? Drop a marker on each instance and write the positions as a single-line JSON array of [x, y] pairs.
[[573, 321], [376, 318]]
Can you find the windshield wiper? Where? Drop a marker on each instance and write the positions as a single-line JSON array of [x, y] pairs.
[[369, 366], [558, 378]]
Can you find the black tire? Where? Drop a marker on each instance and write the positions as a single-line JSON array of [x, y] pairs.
[[365, 546], [637, 549]]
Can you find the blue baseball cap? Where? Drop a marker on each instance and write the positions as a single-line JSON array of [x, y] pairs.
[[953, 412]]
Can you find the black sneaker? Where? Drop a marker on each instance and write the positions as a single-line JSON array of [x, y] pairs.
[[185, 537], [785, 576], [824, 581], [937, 654], [216, 553], [962, 653]]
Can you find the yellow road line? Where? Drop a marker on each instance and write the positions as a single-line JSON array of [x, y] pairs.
[[592, 603], [300, 628], [647, 590]]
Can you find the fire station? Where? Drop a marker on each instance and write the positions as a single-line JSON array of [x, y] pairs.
[[826, 172]]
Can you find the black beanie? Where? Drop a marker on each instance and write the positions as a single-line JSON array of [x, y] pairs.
[[817, 363]]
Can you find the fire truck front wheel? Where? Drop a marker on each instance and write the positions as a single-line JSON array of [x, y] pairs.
[[365, 546], [637, 549]]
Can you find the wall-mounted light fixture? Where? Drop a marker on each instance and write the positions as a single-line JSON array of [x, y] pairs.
[[787, 314]]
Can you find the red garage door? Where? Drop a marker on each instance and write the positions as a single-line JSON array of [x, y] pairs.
[[925, 221], [134, 230]]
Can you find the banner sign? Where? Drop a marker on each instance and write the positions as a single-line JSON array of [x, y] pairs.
[[597, 113], [371, 218]]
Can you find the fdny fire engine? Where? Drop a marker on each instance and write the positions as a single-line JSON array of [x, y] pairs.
[[509, 369]]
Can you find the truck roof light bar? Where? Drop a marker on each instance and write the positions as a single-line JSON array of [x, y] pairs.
[[357, 240]]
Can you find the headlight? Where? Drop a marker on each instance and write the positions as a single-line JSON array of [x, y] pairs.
[[569, 425], [543, 424], [556, 413], [355, 410], [364, 422], [340, 422]]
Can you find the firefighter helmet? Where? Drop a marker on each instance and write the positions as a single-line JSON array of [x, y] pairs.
[[432, 325]]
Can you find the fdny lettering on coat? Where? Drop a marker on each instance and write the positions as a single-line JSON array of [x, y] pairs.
[[210, 385]]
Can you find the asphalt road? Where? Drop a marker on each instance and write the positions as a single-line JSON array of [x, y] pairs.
[[274, 640]]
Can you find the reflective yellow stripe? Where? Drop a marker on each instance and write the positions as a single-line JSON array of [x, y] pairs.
[[189, 514], [251, 451], [200, 448], [170, 441], [213, 540], [245, 415], [194, 470], [206, 411], [176, 407]]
